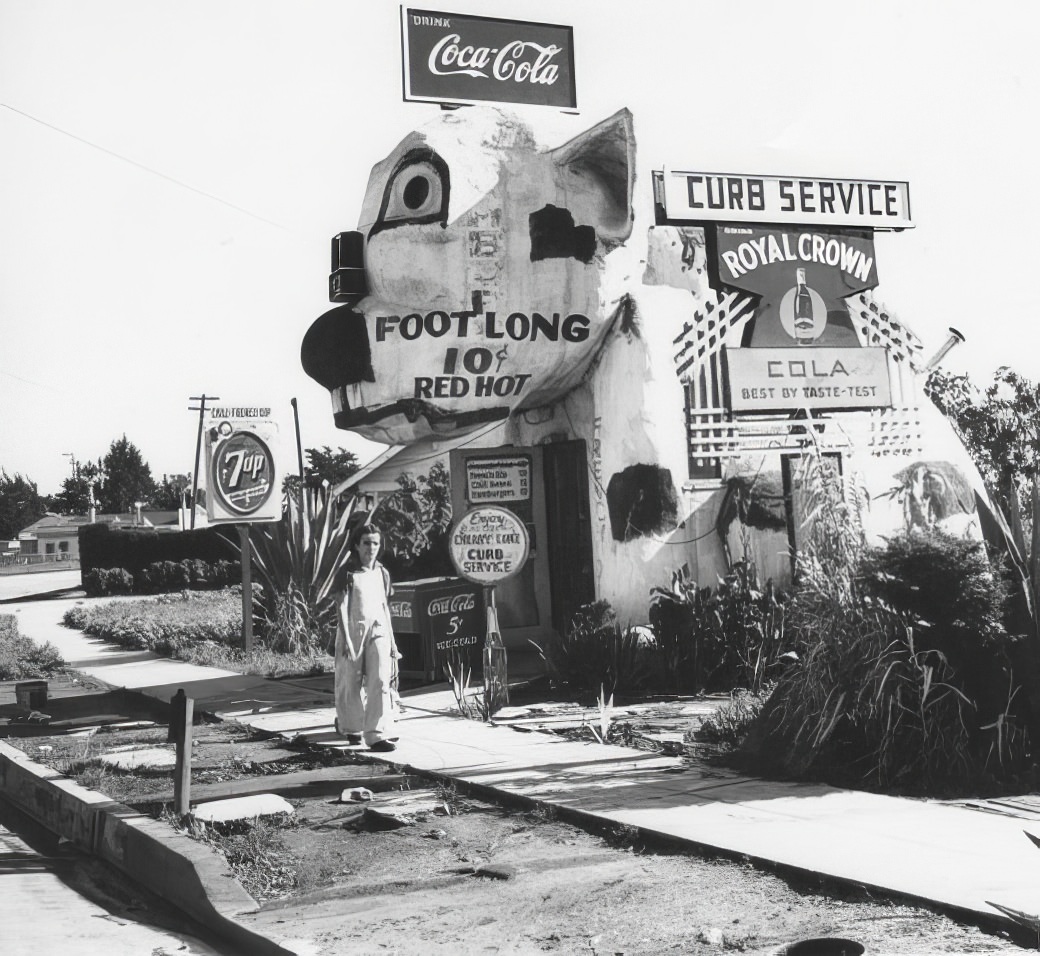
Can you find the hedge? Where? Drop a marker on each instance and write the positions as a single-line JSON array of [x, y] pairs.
[[134, 549]]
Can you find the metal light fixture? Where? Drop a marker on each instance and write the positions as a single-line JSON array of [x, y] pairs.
[[953, 339]]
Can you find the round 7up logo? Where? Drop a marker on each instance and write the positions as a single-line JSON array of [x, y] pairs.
[[242, 469]]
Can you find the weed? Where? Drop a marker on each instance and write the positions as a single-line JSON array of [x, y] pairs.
[[317, 870], [476, 706], [21, 657], [448, 796], [623, 836], [730, 723], [254, 850], [606, 708], [541, 813]]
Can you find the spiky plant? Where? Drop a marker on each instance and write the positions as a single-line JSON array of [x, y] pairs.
[[299, 561]]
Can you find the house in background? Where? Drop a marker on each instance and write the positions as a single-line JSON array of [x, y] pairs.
[[56, 537]]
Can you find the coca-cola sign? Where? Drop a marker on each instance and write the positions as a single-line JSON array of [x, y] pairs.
[[452, 604], [454, 58]]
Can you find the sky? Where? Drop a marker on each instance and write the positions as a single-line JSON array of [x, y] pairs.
[[171, 175]]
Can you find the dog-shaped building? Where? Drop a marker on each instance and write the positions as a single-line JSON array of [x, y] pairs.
[[528, 311]]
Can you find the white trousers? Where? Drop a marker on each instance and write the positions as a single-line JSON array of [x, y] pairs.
[[362, 690]]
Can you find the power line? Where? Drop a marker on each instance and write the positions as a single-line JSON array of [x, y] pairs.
[[147, 169], [29, 381]]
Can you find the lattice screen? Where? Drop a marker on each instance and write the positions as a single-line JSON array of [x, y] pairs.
[[713, 435]]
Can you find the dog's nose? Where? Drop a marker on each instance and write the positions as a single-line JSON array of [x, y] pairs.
[[347, 283], [336, 350]]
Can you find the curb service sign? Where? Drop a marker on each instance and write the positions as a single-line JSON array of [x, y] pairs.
[[452, 58], [243, 477], [488, 544], [804, 200]]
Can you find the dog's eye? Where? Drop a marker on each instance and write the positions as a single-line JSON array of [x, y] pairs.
[[415, 193]]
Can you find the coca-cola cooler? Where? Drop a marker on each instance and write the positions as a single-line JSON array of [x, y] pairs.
[[436, 621]]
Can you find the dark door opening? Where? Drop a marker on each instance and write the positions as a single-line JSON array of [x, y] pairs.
[[566, 476]]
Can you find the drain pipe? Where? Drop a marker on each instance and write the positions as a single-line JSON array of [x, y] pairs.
[[955, 338]]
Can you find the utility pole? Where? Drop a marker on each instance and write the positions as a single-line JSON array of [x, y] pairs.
[[304, 497], [201, 399]]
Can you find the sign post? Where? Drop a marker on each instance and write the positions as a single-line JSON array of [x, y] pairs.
[[244, 480], [182, 716], [489, 544], [247, 590]]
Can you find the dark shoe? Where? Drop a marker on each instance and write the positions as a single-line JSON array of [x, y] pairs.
[[353, 739], [383, 746]]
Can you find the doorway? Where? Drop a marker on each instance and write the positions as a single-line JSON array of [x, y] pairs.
[[547, 487]]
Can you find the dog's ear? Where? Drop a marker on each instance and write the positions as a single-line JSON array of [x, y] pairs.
[[602, 161]]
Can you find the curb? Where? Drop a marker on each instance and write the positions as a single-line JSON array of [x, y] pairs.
[[171, 865]]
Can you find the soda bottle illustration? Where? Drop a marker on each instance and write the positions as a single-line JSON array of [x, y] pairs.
[[804, 326]]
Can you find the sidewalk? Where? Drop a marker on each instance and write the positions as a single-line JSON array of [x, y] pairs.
[[952, 854]]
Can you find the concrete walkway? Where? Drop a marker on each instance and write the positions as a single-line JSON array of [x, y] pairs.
[[41, 913], [950, 854]]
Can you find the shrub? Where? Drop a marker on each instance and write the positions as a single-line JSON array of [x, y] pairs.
[[162, 576], [597, 653], [104, 581], [732, 636], [905, 676], [22, 658], [202, 627], [166, 624]]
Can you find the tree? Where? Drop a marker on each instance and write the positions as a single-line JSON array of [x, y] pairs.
[[415, 521], [74, 497], [324, 464], [1000, 428], [169, 493], [128, 478], [20, 504]]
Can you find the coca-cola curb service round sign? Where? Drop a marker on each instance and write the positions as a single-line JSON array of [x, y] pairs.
[[488, 544]]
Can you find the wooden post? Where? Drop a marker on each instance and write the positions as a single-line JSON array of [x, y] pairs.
[[247, 590], [182, 715]]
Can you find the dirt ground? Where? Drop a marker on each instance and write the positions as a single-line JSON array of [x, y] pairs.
[[458, 875]]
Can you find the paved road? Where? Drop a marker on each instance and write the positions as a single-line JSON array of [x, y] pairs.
[[22, 585], [58, 901]]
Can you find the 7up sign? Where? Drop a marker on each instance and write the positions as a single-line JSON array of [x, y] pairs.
[[243, 477]]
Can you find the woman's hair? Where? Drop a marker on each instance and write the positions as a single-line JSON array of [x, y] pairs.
[[366, 529]]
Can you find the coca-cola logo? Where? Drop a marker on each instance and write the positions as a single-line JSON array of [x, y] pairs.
[[521, 61], [457, 58], [451, 605]]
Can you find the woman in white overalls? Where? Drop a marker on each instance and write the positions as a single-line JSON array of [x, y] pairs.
[[366, 652]]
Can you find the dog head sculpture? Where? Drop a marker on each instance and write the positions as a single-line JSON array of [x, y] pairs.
[[476, 283]]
